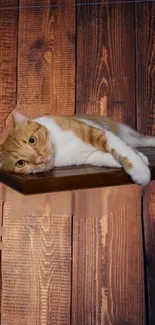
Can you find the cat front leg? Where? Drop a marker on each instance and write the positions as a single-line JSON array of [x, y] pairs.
[[99, 158], [131, 161], [87, 157], [144, 157]]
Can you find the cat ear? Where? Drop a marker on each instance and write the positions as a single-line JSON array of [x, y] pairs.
[[19, 119], [1, 156]]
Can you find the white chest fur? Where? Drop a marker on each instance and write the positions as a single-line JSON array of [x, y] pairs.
[[70, 149]]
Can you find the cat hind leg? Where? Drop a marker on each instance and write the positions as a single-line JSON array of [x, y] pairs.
[[102, 159]]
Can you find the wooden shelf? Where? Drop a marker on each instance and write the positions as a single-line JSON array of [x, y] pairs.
[[74, 178]]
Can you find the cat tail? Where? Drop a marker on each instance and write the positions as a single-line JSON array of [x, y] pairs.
[[134, 138]]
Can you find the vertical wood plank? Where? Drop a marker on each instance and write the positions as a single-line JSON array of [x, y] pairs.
[[36, 259], [145, 66], [108, 279], [145, 69], [2, 190], [1, 234], [8, 57], [106, 60], [149, 226], [46, 58]]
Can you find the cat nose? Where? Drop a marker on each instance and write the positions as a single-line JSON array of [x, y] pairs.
[[41, 160]]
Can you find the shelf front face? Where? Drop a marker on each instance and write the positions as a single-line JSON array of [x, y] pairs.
[[72, 178]]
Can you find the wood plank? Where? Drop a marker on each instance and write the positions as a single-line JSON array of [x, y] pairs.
[[36, 260], [145, 66], [2, 194], [1, 234], [149, 228], [37, 240], [8, 52], [66, 179], [106, 60], [46, 58], [145, 69], [107, 275], [8, 58]]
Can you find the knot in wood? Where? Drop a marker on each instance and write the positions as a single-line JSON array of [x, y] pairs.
[[34, 55]]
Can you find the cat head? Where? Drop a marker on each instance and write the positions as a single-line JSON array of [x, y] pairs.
[[28, 149]]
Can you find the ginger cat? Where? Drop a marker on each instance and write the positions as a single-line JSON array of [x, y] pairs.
[[43, 143]]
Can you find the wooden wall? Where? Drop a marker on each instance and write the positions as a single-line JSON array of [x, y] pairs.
[[59, 58]]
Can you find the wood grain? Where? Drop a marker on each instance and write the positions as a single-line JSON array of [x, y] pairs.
[[36, 260], [1, 234], [46, 65], [37, 255], [8, 53], [8, 58], [2, 194], [149, 227], [107, 276], [106, 60], [145, 66], [107, 272], [145, 71]]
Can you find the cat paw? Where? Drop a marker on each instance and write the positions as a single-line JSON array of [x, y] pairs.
[[140, 174], [144, 158]]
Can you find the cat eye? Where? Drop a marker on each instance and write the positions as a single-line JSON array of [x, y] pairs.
[[20, 163], [32, 140]]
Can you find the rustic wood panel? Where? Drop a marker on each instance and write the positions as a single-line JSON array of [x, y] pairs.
[[145, 76], [145, 66], [8, 58], [107, 276], [36, 260], [149, 226], [106, 60], [1, 234], [2, 187], [46, 58]]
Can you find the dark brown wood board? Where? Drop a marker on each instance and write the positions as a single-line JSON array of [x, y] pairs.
[[149, 232], [145, 90], [106, 60], [145, 67], [107, 276]]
